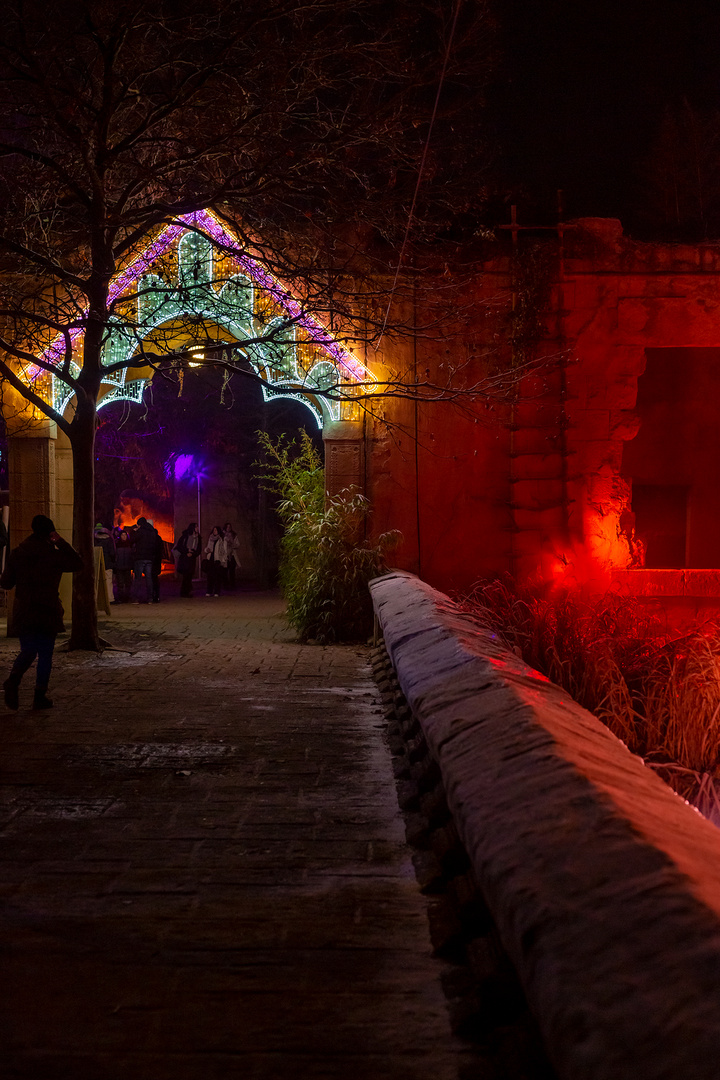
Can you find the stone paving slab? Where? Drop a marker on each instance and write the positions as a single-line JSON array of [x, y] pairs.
[[203, 871]]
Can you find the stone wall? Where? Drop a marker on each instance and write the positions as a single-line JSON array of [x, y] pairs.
[[542, 483], [604, 885]]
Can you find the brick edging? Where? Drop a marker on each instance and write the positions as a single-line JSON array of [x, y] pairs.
[[604, 885]]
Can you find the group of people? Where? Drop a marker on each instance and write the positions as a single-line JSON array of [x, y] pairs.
[[34, 569], [218, 558], [134, 552]]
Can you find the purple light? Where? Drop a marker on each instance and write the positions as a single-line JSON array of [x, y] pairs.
[[204, 220], [184, 466], [129, 275], [144, 261]]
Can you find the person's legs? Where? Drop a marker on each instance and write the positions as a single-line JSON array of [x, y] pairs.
[[143, 569], [124, 583], [137, 578], [186, 586], [147, 574], [214, 578], [23, 660], [45, 646]]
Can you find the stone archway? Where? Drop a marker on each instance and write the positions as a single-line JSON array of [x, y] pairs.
[[171, 278]]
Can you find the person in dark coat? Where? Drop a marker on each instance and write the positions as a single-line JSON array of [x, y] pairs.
[[188, 549], [157, 567], [144, 541], [124, 562], [34, 569]]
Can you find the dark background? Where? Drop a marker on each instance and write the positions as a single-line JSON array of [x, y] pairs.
[[614, 101]]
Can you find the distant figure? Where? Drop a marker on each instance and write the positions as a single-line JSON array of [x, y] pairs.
[[188, 549], [144, 541], [124, 561], [34, 569], [104, 538], [216, 555], [156, 571], [232, 543], [4, 540]]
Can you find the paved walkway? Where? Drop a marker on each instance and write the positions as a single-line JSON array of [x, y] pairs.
[[202, 867]]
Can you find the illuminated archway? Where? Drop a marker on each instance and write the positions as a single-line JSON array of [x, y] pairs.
[[252, 314], [292, 353]]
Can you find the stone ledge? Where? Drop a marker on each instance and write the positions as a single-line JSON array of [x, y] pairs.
[[667, 582], [605, 886]]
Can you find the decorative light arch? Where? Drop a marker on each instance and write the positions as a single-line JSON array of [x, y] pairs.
[[270, 347]]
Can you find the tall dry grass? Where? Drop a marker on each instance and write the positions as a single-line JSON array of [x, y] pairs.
[[657, 691]]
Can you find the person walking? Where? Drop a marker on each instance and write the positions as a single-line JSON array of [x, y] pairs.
[[157, 562], [34, 569], [216, 556], [232, 543], [124, 562], [144, 541], [188, 549]]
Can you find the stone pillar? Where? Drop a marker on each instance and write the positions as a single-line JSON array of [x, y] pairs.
[[63, 486], [344, 456], [31, 473], [31, 477]]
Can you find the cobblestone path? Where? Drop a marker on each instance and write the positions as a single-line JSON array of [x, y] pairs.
[[202, 865]]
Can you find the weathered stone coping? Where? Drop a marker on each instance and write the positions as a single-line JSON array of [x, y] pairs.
[[700, 583], [604, 884]]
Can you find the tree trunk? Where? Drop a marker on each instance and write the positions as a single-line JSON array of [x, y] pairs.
[[84, 633]]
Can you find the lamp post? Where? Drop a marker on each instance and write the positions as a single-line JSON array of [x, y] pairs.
[[186, 467]]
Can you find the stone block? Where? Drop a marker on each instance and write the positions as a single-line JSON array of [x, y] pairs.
[[588, 424], [538, 466], [649, 582], [701, 582], [533, 440], [537, 494]]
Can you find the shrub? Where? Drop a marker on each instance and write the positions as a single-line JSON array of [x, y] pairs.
[[325, 564], [657, 691]]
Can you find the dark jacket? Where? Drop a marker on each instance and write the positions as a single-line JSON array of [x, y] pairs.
[[124, 558], [34, 569], [158, 553], [186, 562], [145, 539]]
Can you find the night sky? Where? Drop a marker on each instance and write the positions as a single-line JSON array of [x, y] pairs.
[[581, 92]]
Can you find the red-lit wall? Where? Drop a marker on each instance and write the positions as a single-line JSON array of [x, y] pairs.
[[551, 493]]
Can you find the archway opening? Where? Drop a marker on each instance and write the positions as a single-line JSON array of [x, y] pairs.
[[187, 451]]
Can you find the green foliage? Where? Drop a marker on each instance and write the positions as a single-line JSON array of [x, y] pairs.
[[325, 566], [657, 691]]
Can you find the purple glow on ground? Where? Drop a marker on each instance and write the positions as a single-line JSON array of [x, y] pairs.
[[203, 219]]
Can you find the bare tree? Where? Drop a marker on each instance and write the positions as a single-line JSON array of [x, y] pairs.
[[301, 126]]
